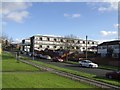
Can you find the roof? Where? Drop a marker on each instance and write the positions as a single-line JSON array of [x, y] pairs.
[[115, 42], [62, 37]]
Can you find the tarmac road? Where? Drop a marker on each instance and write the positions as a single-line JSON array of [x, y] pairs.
[[95, 71], [77, 67]]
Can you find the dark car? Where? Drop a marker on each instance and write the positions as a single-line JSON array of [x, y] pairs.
[[113, 75], [57, 59]]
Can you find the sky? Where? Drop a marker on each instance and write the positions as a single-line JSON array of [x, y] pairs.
[[97, 20]]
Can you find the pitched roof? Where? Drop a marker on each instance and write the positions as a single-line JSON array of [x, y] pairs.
[[115, 42]]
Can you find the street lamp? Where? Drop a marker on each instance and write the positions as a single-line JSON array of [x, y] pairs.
[[86, 47], [119, 50], [33, 48]]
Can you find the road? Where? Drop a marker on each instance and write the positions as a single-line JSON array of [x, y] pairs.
[[95, 71]]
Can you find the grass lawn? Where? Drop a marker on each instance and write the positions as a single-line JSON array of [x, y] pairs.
[[90, 76], [109, 67], [20, 75], [9, 64], [39, 80]]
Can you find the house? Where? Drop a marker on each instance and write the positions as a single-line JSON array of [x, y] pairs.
[[40, 42], [110, 49]]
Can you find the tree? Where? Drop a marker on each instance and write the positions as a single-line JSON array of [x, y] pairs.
[[71, 42], [5, 40], [10, 40]]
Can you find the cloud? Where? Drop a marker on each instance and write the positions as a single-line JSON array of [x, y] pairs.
[[104, 5], [17, 16], [110, 6], [66, 15], [17, 40], [76, 15], [108, 33], [15, 11], [116, 25]]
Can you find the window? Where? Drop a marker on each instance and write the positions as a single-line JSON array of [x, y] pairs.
[[92, 42], [54, 46], [41, 38], [83, 48], [99, 47], [88, 42], [104, 47], [77, 47], [47, 46], [61, 40], [61, 47], [73, 41], [72, 47], [48, 39], [55, 39], [83, 42], [116, 47], [40, 46], [66, 40], [78, 41]]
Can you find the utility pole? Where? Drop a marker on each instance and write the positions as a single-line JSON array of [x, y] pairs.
[[119, 50], [118, 32], [33, 48], [86, 46]]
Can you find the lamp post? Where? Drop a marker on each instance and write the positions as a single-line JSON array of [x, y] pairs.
[[33, 48], [86, 47], [119, 50]]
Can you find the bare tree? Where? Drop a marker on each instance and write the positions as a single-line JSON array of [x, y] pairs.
[[10, 40], [71, 42], [5, 40]]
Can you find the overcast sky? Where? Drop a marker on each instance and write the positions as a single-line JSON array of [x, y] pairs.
[[98, 20]]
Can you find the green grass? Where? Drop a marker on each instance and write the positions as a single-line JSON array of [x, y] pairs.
[[86, 75], [16, 76], [109, 67], [41, 80], [9, 63]]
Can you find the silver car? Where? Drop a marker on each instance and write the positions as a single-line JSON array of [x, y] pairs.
[[88, 63]]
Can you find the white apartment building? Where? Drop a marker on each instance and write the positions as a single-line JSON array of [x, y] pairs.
[[105, 47], [25, 46], [39, 42]]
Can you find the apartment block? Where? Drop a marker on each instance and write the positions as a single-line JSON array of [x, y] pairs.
[[40, 42], [109, 48]]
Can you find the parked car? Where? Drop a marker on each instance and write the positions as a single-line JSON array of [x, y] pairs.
[[43, 56], [39, 55], [113, 75], [30, 54], [47, 57], [88, 63], [57, 59]]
